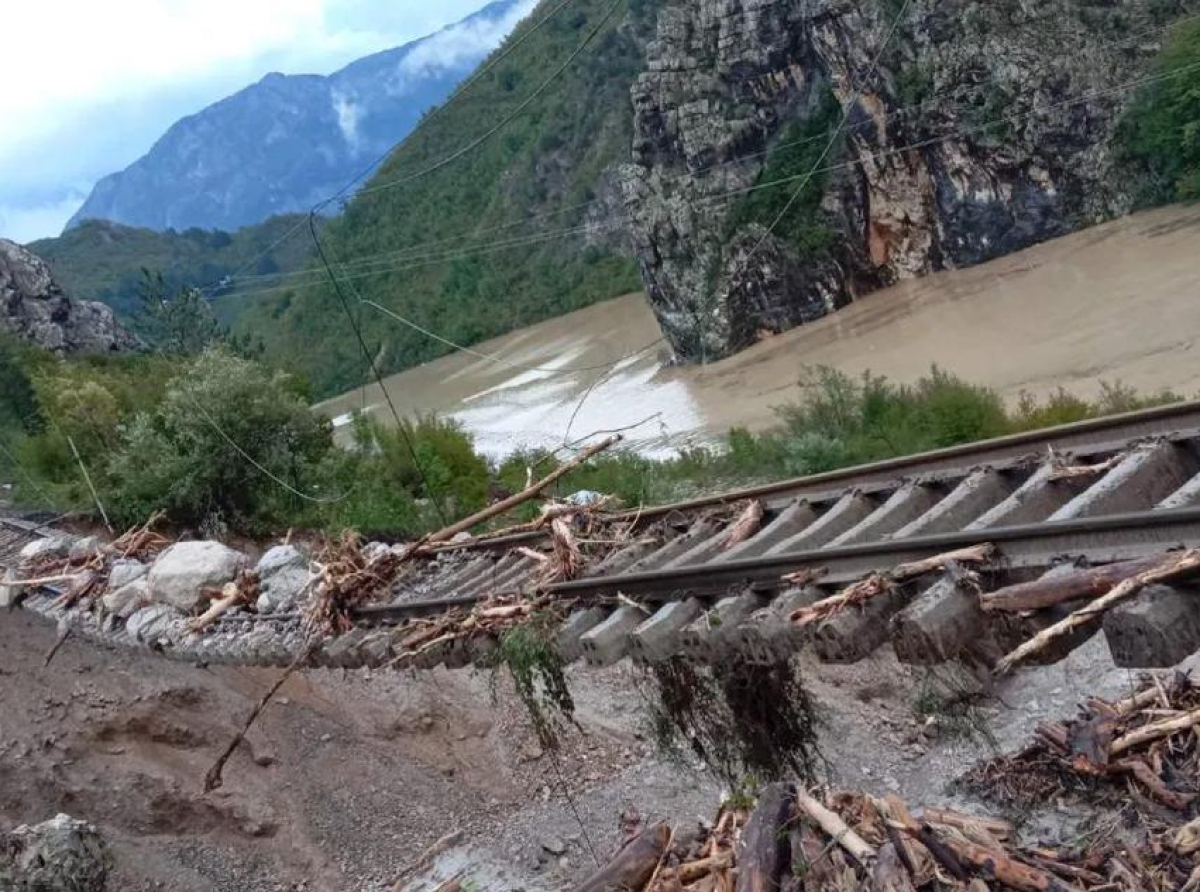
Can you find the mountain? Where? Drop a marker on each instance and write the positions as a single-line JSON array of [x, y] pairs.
[[703, 142], [973, 128], [526, 225], [760, 163], [289, 141], [35, 309]]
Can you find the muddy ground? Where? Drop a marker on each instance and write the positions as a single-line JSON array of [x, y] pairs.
[[349, 777]]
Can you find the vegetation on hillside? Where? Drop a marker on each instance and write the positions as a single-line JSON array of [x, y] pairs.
[[1161, 131], [545, 162], [103, 261], [223, 444]]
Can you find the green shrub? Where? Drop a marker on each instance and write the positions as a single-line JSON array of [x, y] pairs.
[[1160, 133], [208, 452]]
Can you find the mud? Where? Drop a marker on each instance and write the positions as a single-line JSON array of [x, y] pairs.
[[349, 777], [1113, 303]]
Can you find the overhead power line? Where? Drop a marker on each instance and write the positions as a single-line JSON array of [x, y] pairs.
[[614, 223]]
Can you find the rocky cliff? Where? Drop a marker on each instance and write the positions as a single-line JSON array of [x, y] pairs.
[[34, 308], [987, 126]]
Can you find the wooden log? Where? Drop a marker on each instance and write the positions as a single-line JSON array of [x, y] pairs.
[[1155, 731], [947, 817], [1171, 567], [1000, 866], [762, 849], [747, 525], [890, 874], [1089, 582], [506, 505], [631, 868], [881, 583], [836, 828]]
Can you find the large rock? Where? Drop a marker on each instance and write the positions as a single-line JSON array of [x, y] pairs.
[[156, 624], [59, 855], [729, 82], [124, 571], [123, 602], [34, 308], [283, 574], [41, 549], [186, 570]]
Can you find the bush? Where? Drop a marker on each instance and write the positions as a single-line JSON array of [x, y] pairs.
[[209, 451], [1161, 131]]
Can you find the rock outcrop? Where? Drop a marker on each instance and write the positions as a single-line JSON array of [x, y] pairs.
[[986, 127], [59, 855], [34, 308]]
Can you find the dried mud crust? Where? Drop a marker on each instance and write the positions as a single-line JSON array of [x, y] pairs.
[[347, 778]]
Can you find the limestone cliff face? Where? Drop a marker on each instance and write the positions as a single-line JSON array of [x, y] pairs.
[[987, 126], [35, 309]]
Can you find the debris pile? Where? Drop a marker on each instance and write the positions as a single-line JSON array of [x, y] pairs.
[[1141, 753], [841, 841]]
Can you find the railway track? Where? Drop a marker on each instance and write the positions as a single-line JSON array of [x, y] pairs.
[[666, 580]]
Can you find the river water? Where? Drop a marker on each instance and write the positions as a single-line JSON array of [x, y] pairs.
[[1118, 302]]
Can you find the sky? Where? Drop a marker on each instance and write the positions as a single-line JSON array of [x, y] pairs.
[[91, 86]]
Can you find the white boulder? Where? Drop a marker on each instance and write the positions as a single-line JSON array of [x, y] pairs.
[[41, 549], [186, 570], [125, 571], [126, 600], [283, 575], [10, 594], [156, 624], [82, 549]]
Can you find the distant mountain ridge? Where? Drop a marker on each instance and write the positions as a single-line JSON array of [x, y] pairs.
[[284, 143]]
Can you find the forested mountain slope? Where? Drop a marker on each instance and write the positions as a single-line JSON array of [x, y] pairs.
[[442, 249]]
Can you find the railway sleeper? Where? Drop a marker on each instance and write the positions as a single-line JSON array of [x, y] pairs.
[[848, 511], [980, 491], [1145, 477], [769, 635], [570, 637], [1159, 628], [608, 642], [712, 636], [905, 505], [855, 633], [796, 516], [658, 639], [939, 624], [1033, 501]]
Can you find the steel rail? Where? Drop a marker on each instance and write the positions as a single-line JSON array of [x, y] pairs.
[[1096, 434], [1024, 546]]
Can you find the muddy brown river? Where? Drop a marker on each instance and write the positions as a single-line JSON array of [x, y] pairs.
[[1119, 302]]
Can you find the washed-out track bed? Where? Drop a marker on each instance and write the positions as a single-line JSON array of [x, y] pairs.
[[665, 582]]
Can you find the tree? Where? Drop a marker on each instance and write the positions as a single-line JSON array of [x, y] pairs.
[[229, 441], [183, 324], [1162, 128]]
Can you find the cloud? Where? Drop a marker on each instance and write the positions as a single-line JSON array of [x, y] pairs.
[[348, 115], [460, 44], [26, 223]]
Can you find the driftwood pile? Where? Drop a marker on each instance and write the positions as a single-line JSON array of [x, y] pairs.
[[1140, 755], [84, 577], [797, 841]]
